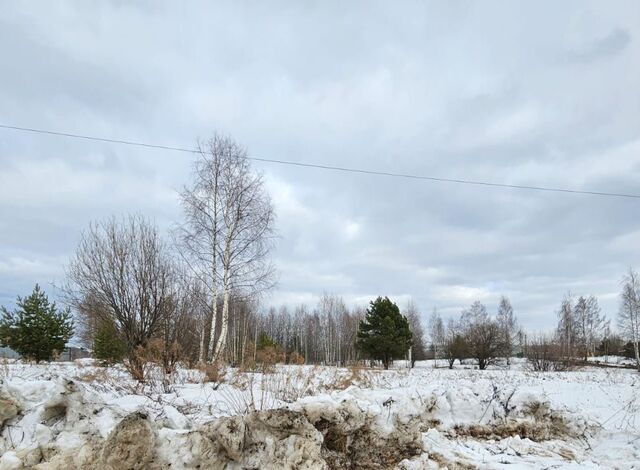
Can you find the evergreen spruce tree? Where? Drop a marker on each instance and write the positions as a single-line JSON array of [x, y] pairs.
[[37, 329], [384, 334]]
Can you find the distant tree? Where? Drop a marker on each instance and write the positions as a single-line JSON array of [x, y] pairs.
[[437, 334], [485, 343], [508, 326], [544, 354], [418, 351], [483, 336], [628, 350], [455, 347], [567, 329], [611, 345], [590, 324], [269, 352], [265, 341], [37, 329], [107, 345], [453, 344], [476, 313], [384, 334], [330, 311], [87, 321], [629, 313]]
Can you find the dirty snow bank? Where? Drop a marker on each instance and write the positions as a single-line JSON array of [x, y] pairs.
[[81, 416]]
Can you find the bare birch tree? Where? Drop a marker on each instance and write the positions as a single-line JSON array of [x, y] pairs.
[[508, 326], [227, 235], [437, 334], [629, 313], [246, 235], [197, 239], [567, 328], [417, 352], [590, 323]]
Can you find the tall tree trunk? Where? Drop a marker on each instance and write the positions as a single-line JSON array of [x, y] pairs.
[[214, 319], [222, 340], [255, 344], [224, 325], [201, 355]]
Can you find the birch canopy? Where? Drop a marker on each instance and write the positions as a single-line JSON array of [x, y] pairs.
[[227, 235]]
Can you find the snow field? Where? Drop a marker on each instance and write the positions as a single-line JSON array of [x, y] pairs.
[[499, 418]]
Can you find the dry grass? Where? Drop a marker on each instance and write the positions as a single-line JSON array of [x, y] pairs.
[[355, 376], [100, 375], [5, 371], [448, 464], [539, 423]]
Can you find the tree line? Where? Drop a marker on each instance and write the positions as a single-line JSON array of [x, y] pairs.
[[582, 331], [194, 296]]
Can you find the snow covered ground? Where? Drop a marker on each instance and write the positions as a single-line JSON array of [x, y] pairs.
[[63, 415], [612, 360]]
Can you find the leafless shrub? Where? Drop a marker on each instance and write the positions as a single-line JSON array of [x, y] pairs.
[[214, 373], [121, 273], [483, 336], [544, 355], [629, 313], [148, 366]]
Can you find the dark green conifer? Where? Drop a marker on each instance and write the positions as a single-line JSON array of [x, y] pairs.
[[384, 334], [36, 329]]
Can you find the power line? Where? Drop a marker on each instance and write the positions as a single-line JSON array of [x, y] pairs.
[[327, 167]]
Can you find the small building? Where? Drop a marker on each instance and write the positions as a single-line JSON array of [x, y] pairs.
[[8, 353]]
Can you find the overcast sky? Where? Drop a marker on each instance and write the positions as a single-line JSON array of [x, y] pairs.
[[533, 93]]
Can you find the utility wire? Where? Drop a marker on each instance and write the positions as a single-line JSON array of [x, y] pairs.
[[327, 167]]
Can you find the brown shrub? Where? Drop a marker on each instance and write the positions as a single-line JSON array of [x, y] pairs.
[[296, 358], [248, 365], [544, 355], [156, 352], [268, 357], [213, 373]]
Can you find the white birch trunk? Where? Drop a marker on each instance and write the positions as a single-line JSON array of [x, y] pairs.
[[222, 340], [201, 347], [214, 321]]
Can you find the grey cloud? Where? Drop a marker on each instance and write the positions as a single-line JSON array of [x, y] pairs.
[[611, 44]]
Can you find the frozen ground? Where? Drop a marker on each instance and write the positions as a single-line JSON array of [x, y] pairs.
[[64, 415]]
